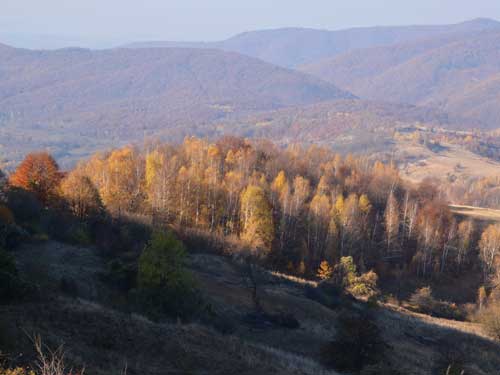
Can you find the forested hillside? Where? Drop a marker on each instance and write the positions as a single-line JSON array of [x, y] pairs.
[[455, 73], [82, 101], [243, 237], [74, 102]]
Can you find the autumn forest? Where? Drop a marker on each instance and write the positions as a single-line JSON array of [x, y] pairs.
[[292, 208]]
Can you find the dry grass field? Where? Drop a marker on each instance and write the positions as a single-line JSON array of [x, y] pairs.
[[418, 162], [479, 213], [106, 340]]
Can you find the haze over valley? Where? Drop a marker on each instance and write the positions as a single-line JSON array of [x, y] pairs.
[[75, 101]]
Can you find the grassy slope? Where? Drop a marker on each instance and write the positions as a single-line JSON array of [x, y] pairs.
[[480, 213], [105, 339], [418, 162]]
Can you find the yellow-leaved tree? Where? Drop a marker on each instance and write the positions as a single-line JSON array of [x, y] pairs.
[[257, 220], [124, 182], [81, 194], [489, 251]]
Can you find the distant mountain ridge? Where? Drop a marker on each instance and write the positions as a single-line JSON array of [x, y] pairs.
[[291, 47], [46, 84], [458, 74], [66, 98], [75, 101]]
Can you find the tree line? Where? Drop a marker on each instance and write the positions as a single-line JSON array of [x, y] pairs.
[[294, 208]]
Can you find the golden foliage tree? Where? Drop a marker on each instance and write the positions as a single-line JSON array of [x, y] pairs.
[[489, 247], [81, 194], [126, 177], [392, 221], [364, 204], [319, 221], [257, 219]]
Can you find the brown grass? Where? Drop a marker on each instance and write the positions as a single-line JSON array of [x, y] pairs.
[[479, 213], [103, 340], [423, 163]]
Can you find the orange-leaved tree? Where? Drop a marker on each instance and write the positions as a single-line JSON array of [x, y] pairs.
[[39, 174]]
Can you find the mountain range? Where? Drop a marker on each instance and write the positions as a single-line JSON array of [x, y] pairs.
[[288, 84], [291, 47], [57, 99], [458, 74], [451, 67]]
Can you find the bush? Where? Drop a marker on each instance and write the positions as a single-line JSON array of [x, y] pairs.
[[345, 277], [344, 273], [422, 301], [15, 371], [489, 317], [365, 285], [12, 287], [326, 293], [115, 237], [56, 225], [9, 279], [324, 271], [6, 215], [79, 234], [451, 359], [358, 343], [164, 284], [121, 276], [10, 234], [48, 362], [24, 205]]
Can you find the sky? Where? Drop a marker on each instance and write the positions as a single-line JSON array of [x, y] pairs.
[[96, 23]]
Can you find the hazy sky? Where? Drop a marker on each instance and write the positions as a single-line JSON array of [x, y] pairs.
[[125, 20]]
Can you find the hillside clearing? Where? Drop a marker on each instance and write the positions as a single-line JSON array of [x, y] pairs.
[[479, 213], [417, 162]]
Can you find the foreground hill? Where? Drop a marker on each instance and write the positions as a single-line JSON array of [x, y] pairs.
[[106, 340], [291, 47], [457, 73]]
